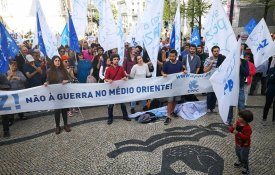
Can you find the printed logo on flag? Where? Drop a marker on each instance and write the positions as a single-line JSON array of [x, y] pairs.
[[193, 86]]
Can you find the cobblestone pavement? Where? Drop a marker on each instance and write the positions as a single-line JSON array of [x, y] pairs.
[[92, 147]]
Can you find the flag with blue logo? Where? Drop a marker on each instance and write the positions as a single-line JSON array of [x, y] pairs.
[[49, 39], [173, 37], [261, 43], [65, 36], [218, 31], [8, 49], [225, 81], [195, 37], [73, 36], [41, 44], [250, 25]]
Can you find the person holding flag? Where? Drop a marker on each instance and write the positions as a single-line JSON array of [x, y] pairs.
[[211, 64]]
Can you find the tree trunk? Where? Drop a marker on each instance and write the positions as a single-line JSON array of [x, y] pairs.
[[200, 25], [266, 7]]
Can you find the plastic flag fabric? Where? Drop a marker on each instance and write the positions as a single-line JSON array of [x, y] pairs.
[[8, 49], [73, 36]]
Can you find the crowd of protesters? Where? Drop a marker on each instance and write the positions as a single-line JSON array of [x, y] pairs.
[[94, 65]]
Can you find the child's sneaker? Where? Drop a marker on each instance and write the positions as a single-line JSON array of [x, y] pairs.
[[245, 171], [238, 164]]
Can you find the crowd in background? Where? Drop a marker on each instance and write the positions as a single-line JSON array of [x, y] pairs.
[[30, 69]]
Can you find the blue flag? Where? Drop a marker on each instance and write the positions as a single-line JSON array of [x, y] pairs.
[[195, 37], [73, 36], [250, 25], [65, 36], [173, 37], [41, 44], [8, 49]]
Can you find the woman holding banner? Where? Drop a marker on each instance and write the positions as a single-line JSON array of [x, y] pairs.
[[58, 74], [139, 70], [17, 81]]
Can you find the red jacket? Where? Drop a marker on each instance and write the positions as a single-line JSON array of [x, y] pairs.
[[242, 138], [252, 72], [111, 73]]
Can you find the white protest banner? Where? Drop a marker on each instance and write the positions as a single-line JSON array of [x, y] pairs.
[[120, 34], [79, 16], [177, 29], [152, 23], [225, 82], [218, 30], [49, 38], [79, 95], [261, 43], [107, 36]]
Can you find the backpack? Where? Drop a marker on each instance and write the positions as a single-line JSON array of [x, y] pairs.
[[146, 117]]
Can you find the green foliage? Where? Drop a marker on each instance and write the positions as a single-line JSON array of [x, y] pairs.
[[196, 9], [166, 11], [114, 10]]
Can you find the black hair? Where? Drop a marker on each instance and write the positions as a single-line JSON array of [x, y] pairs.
[[100, 48], [193, 45], [114, 56], [174, 51], [139, 47], [248, 54], [200, 45], [215, 47], [246, 115]]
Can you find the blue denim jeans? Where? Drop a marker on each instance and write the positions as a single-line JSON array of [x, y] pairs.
[[243, 155], [241, 105]]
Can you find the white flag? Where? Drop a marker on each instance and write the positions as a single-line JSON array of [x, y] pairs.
[[226, 81], [135, 35], [120, 35], [218, 30], [48, 37], [79, 16], [261, 43], [177, 29], [151, 29], [107, 28]]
